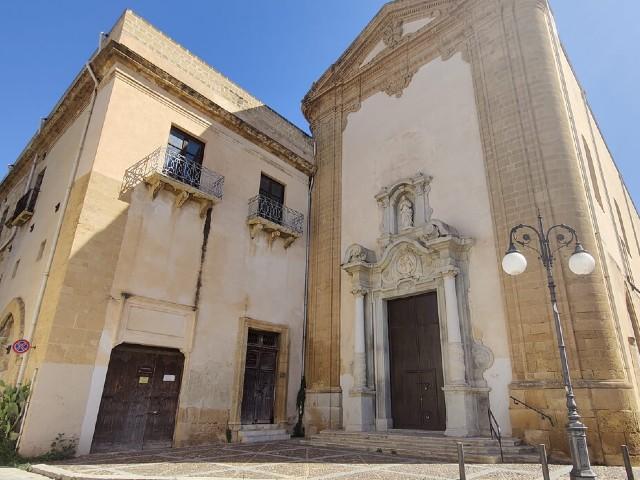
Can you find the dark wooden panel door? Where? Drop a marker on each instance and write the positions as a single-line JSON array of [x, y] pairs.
[[163, 400], [139, 400], [417, 399], [258, 396]]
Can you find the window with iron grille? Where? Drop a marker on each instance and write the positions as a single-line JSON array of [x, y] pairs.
[[271, 199], [184, 157]]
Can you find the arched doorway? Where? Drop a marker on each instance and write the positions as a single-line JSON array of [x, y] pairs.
[[11, 329], [140, 399]]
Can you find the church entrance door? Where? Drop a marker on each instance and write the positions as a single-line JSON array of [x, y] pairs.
[[417, 399]]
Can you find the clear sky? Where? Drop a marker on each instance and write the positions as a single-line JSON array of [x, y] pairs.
[[275, 49]]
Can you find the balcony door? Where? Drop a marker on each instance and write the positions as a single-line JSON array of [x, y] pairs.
[[184, 157], [271, 199]]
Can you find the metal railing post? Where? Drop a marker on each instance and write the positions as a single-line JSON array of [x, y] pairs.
[[627, 462], [542, 449], [463, 475]]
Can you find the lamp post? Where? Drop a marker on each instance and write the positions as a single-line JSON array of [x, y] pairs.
[[580, 263]]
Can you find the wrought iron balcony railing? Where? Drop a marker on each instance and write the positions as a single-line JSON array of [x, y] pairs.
[[264, 207], [172, 165], [24, 208]]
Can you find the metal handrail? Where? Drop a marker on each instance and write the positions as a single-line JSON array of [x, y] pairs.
[[264, 207], [26, 203], [171, 163], [539, 412], [495, 431]]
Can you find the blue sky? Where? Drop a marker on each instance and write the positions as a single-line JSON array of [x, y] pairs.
[[275, 49]]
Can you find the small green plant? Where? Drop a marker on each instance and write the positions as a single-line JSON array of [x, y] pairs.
[[61, 449], [228, 434], [12, 404]]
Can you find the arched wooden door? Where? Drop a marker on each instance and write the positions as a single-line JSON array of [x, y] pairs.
[[139, 400]]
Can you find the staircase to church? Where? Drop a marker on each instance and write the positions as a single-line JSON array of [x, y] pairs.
[[428, 445]]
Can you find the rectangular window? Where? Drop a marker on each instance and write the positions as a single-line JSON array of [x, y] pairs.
[[184, 144], [592, 173], [184, 157], [271, 199], [272, 189], [39, 179], [3, 219], [624, 232]]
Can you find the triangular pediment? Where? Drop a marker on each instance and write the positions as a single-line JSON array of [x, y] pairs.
[[395, 23]]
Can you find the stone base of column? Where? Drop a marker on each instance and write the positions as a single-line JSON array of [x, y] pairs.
[[323, 410], [361, 416], [383, 424], [466, 410]]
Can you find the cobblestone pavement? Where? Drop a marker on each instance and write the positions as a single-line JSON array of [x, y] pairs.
[[290, 459]]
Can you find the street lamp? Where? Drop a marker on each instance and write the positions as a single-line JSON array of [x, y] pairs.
[[580, 263]]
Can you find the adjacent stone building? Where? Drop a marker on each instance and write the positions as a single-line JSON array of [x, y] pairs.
[[157, 265], [160, 229]]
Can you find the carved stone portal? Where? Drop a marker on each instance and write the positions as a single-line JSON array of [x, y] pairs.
[[416, 254]]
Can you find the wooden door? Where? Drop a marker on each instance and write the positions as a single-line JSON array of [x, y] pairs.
[[258, 396], [139, 400], [417, 399]]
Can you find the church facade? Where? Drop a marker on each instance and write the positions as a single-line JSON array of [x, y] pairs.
[[441, 127], [185, 261]]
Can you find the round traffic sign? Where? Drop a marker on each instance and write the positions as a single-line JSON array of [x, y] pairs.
[[21, 346]]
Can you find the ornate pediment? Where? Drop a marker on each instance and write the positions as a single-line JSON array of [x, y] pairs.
[[395, 24]]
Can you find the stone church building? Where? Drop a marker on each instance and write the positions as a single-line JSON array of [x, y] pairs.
[[180, 257]]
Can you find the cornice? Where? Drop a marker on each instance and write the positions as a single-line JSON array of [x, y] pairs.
[[78, 94]]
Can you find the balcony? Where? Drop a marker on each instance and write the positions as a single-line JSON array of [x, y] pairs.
[[24, 208], [275, 219], [167, 169]]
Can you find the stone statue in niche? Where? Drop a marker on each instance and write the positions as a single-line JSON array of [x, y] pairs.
[[405, 214]]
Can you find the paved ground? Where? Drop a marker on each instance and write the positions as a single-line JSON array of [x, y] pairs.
[[285, 460], [16, 474]]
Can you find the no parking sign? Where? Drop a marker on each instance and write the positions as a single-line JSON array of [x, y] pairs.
[[21, 346]]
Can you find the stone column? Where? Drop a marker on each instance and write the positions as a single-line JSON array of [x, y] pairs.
[[359, 406], [359, 364], [455, 351], [458, 394]]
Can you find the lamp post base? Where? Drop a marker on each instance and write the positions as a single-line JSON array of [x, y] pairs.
[[577, 434]]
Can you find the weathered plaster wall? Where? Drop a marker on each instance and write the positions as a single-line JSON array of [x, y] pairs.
[[64, 339], [432, 128], [158, 256]]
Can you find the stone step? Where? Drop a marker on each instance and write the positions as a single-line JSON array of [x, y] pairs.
[[423, 439], [261, 426], [452, 446], [431, 446], [434, 455], [263, 435]]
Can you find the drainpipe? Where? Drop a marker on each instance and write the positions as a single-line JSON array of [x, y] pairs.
[[31, 326], [26, 189], [306, 273]]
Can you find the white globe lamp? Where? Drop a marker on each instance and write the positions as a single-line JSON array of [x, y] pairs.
[[514, 263], [581, 262]]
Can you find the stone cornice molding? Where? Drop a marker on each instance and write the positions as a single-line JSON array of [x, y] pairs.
[[77, 96]]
